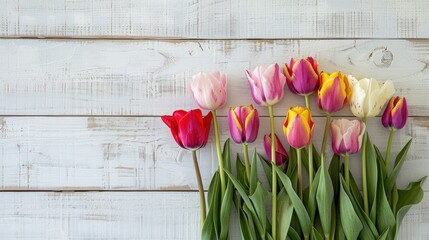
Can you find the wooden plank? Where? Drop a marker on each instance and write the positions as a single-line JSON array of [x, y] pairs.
[[128, 215], [215, 19], [105, 77], [135, 153]]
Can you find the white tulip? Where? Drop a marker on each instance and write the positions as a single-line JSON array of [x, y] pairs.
[[369, 96]]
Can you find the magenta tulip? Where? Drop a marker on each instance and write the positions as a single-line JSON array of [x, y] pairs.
[[243, 122], [281, 154], [346, 136], [209, 90], [189, 129], [396, 113], [302, 76], [266, 84]]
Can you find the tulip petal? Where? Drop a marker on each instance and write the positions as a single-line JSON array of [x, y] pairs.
[[170, 121], [256, 88], [251, 126], [207, 121], [400, 114], [235, 128], [380, 97], [189, 130], [298, 135]]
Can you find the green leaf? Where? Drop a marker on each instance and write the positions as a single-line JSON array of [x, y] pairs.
[[293, 234], [325, 198], [312, 204], [249, 216], [267, 168], [253, 174], [381, 159], [208, 230], [385, 216], [350, 221], [317, 159], [247, 202], [384, 235], [372, 178], [356, 192], [299, 207], [225, 211], [244, 226], [284, 214], [400, 159], [408, 197], [241, 172], [259, 200], [226, 155], [316, 235], [334, 172]]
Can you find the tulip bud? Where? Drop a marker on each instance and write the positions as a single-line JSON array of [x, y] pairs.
[[266, 84], [298, 127], [396, 113], [347, 136], [369, 96], [209, 90], [189, 129], [243, 122], [334, 92], [281, 154], [302, 76]]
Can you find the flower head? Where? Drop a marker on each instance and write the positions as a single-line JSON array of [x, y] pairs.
[[209, 90], [266, 84], [243, 122], [334, 92], [346, 136], [281, 154], [396, 113], [189, 129], [298, 127], [302, 76]]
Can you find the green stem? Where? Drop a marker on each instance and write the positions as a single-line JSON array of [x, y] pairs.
[[325, 133], [219, 154], [274, 175], [200, 189], [298, 156], [347, 169], [364, 181], [246, 160], [307, 101], [389, 147]]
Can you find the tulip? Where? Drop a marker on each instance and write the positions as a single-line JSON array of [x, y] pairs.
[[209, 90], [369, 96], [334, 92], [281, 154], [298, 127], [266, 84], [396, 113], [190, 130], [346, 136], [302, 76], [243, 122]]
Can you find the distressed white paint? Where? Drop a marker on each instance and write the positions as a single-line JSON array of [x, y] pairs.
[[105, 77], [134, 153], [128, 215], [215, 18]]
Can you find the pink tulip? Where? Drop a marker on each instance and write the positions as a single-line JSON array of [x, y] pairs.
[[281, 154], [266, 84], [243, 124], [347, 136], [396, 113], [298, 127], [302, 76], [209, 90]]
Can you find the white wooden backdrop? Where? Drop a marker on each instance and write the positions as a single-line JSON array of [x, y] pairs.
[[83, 153]]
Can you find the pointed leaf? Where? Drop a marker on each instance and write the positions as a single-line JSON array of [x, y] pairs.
[[284, 214], [384, 235], [225, 211], [334, 172], [267, 168], [372, 177], [293, 234], [325, 198], [241, 171], [400, 159], [315, 235], [312, 204], [226, 155], [244, 226], [299, 207], [253, 174], [350, 221], [259, 200]]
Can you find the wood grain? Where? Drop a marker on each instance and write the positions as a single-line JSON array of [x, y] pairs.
[[128, 215], [215, 19], [139, 153], [150, 78]]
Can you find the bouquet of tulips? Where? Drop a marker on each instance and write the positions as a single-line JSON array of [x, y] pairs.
[[331, 205]]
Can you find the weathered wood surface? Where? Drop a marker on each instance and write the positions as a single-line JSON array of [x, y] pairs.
[[139, 153], [127, 215], [109, 77], [215, 19]]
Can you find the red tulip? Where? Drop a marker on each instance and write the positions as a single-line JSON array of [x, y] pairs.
[[396, 113], [189, 129], [281, 154]]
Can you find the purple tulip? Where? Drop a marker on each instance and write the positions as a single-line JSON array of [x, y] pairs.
[[302, 76], [347, 136], [396, 113], [266, 84], [281, 154], [243, 124]]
